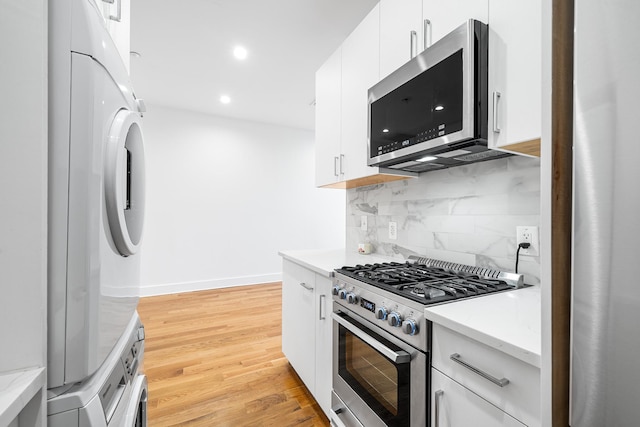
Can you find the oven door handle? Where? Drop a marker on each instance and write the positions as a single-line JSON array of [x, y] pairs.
[[397, 357]]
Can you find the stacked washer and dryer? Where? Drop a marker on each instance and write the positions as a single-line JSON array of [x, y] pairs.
[[96, 213]]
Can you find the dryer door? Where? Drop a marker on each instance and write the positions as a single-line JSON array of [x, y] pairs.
[[124, 181]]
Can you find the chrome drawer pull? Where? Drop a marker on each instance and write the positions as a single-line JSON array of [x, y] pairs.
[[307, 287], [437, 397], [499, 382]]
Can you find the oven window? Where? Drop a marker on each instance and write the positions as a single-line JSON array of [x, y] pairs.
[[380, 382]]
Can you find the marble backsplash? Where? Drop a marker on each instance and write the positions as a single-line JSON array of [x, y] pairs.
[[466, 214]]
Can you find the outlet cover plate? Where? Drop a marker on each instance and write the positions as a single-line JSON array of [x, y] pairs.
[[393, 230], [363, 222], [528, 234]]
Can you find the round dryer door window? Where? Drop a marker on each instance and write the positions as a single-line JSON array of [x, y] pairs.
[[124, 181]]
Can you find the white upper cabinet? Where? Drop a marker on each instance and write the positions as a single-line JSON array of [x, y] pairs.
[[360, 71], [444, 16], [515, 76], [342, 85], [401, 33], [328, 119]]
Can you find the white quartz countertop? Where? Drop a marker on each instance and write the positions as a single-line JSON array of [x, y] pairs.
[[506, 321], [325, 261], [16, 390]]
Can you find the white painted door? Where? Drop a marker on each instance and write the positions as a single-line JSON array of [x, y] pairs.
[[298, 320], [360, 71], [400, 30], [324, 343], [328, 117], [515, 72], [446, 16]]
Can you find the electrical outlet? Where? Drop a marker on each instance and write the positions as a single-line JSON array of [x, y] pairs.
[[393, 230], [528, 234], [363, 223]]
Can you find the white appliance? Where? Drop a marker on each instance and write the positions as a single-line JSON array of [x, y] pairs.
[[431, 113], [115, 395], [96, 197], [605, 380]]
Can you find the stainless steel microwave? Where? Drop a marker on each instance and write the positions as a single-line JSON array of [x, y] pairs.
[[431, 113]]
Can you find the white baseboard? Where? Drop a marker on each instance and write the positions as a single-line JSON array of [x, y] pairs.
[[174, 288]]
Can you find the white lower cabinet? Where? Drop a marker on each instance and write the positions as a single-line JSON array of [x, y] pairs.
[[306, 328], [453, 405], [501, 389]]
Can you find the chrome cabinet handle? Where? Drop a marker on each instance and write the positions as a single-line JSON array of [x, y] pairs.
[[322, 305], [335, 166], [499, 382], [437, 397], [496, 98], [413, 44], [427, 33], [307, 287], [396, 357], [341, 164]]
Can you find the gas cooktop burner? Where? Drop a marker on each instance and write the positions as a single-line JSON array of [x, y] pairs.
[[431, 281]]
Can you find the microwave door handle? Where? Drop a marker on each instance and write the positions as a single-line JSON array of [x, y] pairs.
[[398, 357]]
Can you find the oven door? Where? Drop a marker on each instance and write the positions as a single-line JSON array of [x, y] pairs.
[[378, 379]]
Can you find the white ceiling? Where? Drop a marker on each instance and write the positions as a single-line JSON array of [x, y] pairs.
[[187, 60]]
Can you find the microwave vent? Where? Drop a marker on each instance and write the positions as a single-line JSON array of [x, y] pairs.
[[424, 167], [482, 155]]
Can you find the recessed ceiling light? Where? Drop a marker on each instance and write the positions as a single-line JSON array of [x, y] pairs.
[[225, 99], [439, 108], [240, 52], [385, 130]]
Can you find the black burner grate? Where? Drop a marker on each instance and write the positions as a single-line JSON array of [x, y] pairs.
[[422, 283]]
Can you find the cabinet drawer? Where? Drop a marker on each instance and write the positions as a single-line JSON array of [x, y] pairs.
[[456, 406], [520, 397]]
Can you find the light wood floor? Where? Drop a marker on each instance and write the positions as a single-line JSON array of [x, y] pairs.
[[213, 358]]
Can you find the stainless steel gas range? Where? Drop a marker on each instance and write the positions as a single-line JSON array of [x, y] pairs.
[[382, 341]]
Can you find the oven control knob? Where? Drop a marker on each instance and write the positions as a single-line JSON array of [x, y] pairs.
[[381, 313], [335, 290], [410, 327], [395, 319], [342, 294], [352, 298]]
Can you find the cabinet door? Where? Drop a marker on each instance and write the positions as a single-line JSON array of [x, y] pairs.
[[515, 72], [456, 406], [324, 342], [328, 117], [398, 19], [360, 71], [298, 320], [446, 16]]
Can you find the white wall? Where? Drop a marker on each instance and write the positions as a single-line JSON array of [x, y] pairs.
[[224, 196]]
